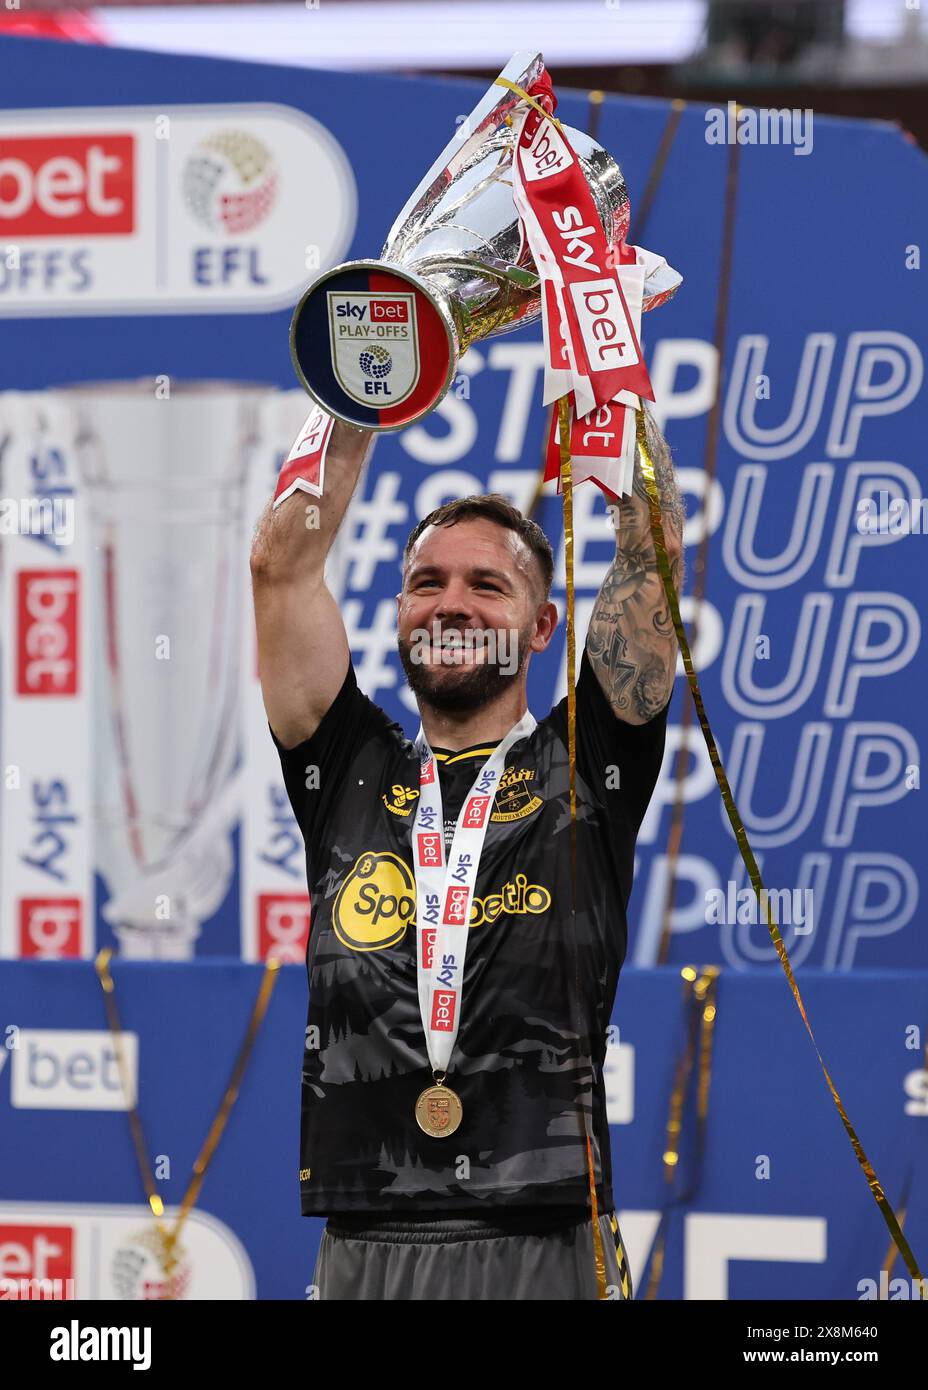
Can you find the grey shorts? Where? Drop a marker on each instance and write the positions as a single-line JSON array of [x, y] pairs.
[[471, 1260]]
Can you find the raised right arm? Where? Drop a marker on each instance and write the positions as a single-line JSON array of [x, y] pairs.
[[302, 645]]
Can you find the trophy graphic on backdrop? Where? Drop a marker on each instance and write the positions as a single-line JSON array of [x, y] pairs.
[[165, 481], [376, 343]]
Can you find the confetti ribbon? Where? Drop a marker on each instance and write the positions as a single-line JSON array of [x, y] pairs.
[[700, 1011], [563, 411], [169, 1236], [747, 854]]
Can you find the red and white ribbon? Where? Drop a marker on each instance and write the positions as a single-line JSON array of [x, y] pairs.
[[592, 296], [303, 469]]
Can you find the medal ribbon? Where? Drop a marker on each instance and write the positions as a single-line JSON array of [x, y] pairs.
[[445, 891]]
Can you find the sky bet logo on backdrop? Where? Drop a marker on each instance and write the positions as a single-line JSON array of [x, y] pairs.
[[375, 345]]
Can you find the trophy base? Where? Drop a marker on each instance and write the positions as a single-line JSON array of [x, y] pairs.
[[373, 345], [155, 942]]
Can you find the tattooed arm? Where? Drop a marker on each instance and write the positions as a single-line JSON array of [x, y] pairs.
[[631, 641]]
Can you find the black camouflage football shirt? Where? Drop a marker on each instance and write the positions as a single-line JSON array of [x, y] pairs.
[[533, 976]]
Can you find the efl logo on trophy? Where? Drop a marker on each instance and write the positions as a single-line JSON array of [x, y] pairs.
[[375, 346]]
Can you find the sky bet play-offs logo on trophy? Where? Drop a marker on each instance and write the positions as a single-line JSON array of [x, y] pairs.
[[375, 349], [374, 343]]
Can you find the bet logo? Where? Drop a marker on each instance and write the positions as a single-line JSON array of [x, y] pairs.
[[375, 903]]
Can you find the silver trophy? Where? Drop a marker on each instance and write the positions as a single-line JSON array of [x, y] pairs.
[[377, 342], [165, 481]]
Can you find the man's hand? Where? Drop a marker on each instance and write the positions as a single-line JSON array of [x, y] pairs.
[[303, 650], [631, 640]]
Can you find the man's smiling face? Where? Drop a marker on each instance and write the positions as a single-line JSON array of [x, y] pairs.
[[471, 611]]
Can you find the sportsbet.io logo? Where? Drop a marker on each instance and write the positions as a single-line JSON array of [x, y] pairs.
[[377, 902], [376, 362], [230, 183]]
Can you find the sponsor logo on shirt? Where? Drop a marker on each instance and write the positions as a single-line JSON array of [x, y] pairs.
[[377, 901], [400, 800], [514, 898]]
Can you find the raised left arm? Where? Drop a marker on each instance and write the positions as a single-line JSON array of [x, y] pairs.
[[631, 641]]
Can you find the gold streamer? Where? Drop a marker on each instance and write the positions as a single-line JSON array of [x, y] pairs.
[[169, 1236], [671, 1156], [563, 416], [744, 847], [521, 92], [657, 531], [701, 563], [699, 996]]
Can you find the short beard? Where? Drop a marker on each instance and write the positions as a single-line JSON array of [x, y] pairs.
[[475, 687]]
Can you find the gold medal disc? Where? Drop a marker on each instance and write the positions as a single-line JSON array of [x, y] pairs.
[[439, 1111]]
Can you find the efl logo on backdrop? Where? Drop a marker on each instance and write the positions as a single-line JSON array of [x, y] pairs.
[[36, 1262], [47, 645], [49, 928], [72, 185], [443, 1003], [283, 926]]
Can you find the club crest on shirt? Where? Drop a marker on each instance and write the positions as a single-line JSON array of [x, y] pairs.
[[515, 797], [399, 799]]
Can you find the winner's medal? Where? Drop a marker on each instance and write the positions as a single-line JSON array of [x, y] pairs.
[[444, 893], [439, 1110]]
